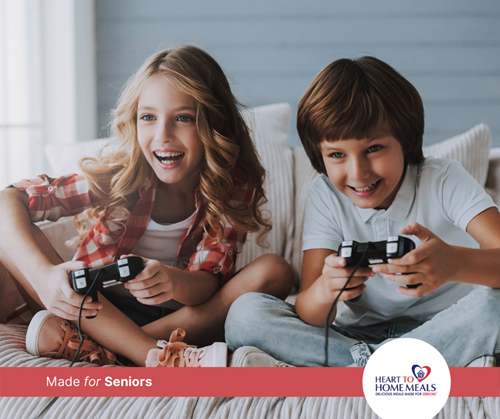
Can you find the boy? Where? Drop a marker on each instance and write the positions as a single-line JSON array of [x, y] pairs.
[[361, 124]]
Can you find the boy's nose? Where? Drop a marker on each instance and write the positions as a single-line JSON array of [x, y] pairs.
[[359, 169]]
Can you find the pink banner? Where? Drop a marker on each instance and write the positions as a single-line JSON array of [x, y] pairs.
[[216, 382]]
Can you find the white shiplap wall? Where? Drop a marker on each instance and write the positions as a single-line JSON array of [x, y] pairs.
[[272, 49]]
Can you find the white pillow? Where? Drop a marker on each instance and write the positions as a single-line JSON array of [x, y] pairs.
[[471, 149], [270, 132]]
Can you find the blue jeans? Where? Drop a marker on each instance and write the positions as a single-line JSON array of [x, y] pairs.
[[465, 331]]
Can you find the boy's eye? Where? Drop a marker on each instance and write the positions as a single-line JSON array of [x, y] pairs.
[[337, 155], [185, 118], [374, 148], [147, 117]]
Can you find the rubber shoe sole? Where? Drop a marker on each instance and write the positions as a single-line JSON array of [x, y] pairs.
[[34, 328], [220, 354]]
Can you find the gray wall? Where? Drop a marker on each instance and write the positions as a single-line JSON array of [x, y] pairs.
[[272, 49]]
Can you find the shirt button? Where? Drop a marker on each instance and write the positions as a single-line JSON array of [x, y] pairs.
[[51, 188], [229, 252]]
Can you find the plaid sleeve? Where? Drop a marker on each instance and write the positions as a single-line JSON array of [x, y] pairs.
[[51, 199], [220, 257]]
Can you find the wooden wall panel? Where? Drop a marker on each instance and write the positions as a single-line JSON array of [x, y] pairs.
[[272, 49]]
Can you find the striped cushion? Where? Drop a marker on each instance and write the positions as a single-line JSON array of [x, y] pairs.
[[471, 149], [270, 132]]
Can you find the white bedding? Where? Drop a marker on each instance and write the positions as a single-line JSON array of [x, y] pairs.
[[13, 354]]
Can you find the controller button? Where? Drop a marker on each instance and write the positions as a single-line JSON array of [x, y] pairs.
[[121, 262], [81, 272], [81, 283], [346, 252], [392, 247], [393, 239], [375, 261], [124, 271], [347, 243]]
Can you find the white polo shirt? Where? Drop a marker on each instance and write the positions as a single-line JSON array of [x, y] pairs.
[[439, 194]]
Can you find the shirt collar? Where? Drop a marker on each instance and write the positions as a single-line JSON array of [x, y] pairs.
[[151, 180], [400, 207]]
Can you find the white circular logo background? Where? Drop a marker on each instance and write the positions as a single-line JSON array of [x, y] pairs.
[[406, 378]]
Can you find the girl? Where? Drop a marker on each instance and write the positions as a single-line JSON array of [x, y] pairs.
[[182, 190]]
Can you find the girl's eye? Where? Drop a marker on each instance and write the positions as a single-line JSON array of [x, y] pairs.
[[147, 117], [337, 155], [374, 148], [185, 118]]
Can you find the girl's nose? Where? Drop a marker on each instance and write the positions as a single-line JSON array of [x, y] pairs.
[[165, 132]]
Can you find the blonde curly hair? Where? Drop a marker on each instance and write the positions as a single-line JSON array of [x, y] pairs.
[[116, 175]]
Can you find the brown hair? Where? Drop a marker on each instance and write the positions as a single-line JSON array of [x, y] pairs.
[[354, 99], [116, 176]]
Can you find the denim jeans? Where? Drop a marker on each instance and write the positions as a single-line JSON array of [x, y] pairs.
[[465, 331]]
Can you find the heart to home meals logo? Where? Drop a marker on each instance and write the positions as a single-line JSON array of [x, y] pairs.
[[419, 373], [397, 380]]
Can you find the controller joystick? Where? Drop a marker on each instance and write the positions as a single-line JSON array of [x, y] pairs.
[[119, 272], [394, 247]]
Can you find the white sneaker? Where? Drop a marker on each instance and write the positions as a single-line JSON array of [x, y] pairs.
[[176, 353], [248, 356]]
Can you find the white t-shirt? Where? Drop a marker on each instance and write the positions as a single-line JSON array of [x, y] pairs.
[[439, 194], [159, 242]]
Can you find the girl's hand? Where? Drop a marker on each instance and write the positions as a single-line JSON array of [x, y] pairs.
[[431, 265], [155, 284], [56, 293], [334, 277]]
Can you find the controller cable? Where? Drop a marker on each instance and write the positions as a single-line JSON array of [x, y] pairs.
[[327, 325], [53, 400]]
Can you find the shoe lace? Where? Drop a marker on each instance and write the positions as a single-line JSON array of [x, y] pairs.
[[177, 353], [90, 351]]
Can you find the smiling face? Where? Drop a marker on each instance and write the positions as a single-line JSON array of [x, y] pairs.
[[167, 134], [368, 171]]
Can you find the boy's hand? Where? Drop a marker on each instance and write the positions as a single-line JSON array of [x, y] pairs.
[[56, 293], [154, 285], [334, 277], [431, 264]]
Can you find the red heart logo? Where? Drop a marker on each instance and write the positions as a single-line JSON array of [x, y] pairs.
[[418, 372]]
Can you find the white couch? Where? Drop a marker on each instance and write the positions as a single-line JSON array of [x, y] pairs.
[[289, 172]]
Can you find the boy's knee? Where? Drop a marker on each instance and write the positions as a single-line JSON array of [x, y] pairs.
[[247, 314], [485, 304], [491, 299]]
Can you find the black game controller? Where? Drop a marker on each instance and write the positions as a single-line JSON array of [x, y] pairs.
[[394, 247], [119, 272]]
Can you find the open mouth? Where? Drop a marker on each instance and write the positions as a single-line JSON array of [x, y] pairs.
[[168, 157], [366, 188]]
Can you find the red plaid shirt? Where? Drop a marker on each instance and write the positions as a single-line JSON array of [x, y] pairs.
[[108, 239]]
